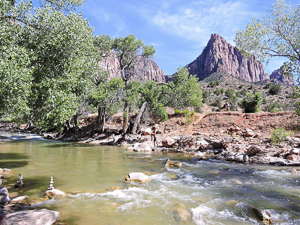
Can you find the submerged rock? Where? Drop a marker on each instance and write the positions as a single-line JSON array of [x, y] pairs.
[[137, 177], [170, 163], [32, 217], [181, 213]]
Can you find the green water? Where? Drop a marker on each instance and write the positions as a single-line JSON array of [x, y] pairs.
[[213, 192]]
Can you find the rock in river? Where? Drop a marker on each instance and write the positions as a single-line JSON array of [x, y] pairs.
[[170, 163], [32, 217], [137, 177]]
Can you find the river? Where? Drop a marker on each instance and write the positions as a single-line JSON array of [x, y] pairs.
[[213, 192]]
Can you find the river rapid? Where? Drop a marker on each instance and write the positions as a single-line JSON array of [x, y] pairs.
[[213, 192]]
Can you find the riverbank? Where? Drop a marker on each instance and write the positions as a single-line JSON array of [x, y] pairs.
[[230, 136]]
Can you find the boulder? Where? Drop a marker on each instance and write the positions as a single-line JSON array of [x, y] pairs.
[[137, 177], [295, 151], [142, 147], [217, 144], [53, 193], [147, 131], [249, 133], [263, 216], [292, 157], [4, 199], [168, 142], [181, 213], [241, 158], [253, 150], [32, 217], [170, 163], [18, 200]]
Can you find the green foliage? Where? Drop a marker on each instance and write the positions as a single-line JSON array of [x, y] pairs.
[[177, 111], [214, 83], [274, 89], [218, 102], [241, 86], [150, 92], [243, 92], [279, 135], [276, 34], [232, 101], [183, 91], [251, 103], [217, 92], [54, 57], [229, 93], [205, 94], [265, 101]]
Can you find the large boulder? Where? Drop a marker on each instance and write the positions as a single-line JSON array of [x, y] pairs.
[[263, 216], [137, 177], [54, 193], [253, 150], [142, 147], [32, 217], [168, 142]]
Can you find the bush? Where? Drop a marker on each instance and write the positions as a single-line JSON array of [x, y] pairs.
[[218, 102], [241, 86], [217, 92], [205, 94], [243, 92], [274, 89], [177, 111], [279, 135], [229, 93], [251, 102]]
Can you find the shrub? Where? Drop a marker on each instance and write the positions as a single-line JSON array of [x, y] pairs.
[[222, 90], [218, 102], [279, 135], [205, 94], [274, 89], [243, 92], [217, 82], [217, 92], [177, 111], [265, 101], [251, 102], [241, 86], [229, 93]]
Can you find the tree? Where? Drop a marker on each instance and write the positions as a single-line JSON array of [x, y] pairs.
[[106, 97], [183, 90], [15, 66], [275, 35], [274, 89], [60, 44], [129, 51]]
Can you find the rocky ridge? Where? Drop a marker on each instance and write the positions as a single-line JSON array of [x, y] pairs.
[[150, 70], [280, 76], [220, 56]]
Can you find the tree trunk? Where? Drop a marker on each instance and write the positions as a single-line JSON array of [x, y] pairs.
[[138, 117], [125, 118]]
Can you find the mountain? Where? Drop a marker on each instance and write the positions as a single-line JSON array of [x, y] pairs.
[[280, 76], [220, 56], [148, 69]]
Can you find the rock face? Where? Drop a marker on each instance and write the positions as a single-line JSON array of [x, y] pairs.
[[220, 56], [285, 79], [149, 69]]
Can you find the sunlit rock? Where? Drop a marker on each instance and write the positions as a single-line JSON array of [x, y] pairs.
[[52, 192], [32, 217], [170, 163], [137, 177], [18, 200], [142, 147], [253, 150], [263, 216], [168, 142]]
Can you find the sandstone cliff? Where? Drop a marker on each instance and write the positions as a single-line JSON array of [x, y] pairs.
[[145, 69], [220, 56], [285, 79]]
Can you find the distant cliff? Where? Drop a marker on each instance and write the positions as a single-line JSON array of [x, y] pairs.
[[280, 76], [220, 56], [145, 69]]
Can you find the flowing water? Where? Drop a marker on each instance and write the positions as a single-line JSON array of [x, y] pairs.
[[213, 192]]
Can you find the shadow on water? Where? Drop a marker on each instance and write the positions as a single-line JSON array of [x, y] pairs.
[[13, 164], [13, 156]]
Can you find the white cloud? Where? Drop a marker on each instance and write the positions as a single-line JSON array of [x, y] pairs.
[[197, 20]]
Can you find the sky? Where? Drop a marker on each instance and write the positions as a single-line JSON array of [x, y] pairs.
[[178, 29]]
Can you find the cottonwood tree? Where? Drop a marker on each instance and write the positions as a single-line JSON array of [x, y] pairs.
[[277, 34], [60, 44], [129, 51]]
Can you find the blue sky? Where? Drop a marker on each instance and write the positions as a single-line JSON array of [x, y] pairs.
[[178, 29]]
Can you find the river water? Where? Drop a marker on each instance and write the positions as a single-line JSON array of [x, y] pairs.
[[213, 192]]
